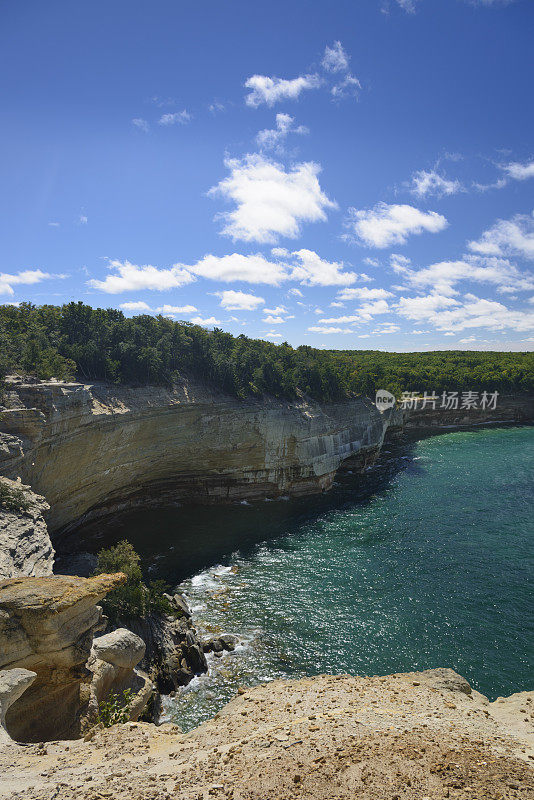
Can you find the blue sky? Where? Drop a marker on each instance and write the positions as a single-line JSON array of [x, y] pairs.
[[341, 174]]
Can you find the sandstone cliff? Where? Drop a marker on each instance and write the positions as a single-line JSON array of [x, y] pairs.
[[414, 736], [25, 546], [47, 627], [94, 449]]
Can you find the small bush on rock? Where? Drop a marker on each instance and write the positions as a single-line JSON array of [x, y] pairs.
[[12, 499], [114, 710], [135, 598]]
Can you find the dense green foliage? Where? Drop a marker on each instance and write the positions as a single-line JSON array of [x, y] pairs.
[[76, 340], [12, 499], [134, 599]]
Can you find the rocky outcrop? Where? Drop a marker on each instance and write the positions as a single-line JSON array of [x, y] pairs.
[[174, 652], [13, 683], [112, 663], [95, 449], [47, 626], [412, 736], [25, 546]]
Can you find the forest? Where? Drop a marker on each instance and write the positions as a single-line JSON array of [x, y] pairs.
[[75, 341]]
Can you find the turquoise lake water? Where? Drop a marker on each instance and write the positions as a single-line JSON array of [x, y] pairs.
[[425, 561]]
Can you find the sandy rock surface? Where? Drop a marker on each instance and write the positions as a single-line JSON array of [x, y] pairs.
[[416, 735]]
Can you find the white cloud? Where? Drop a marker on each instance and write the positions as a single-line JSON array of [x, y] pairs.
[[407, 5], [386, 328], [271, 90], [216, 107], [276, 311], [508, 237], [176, 310], [444, 276], [314, 271], [272, 335], [423, 307], [271, 320], [329, 329], [363, 314], [178, 117], [141, 124], [518, 171], [82, 219], [26, 277], [335, 58], [135, 306], [385, 225], [429, 182], [53, 224], [295, 293], [272, 138], [207, 322], [348, 87], [239, 301], [129, 277], [237, 267], [270, 201], [363, 293], [450, 314], [371, 262]]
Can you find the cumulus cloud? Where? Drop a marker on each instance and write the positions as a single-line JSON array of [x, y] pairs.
[[127, 277], [450, 314], [176, 310], [133, 305], [26, 277], [335, 58], [239, 301], [363, 314], [175, 118], [425, 183], [363, 293], [237, 267], [207, 322], [385, 225], [315, 271], [445, 275], [272, 138], [328, 329], [511, 237], [264, 89], [271, 202]]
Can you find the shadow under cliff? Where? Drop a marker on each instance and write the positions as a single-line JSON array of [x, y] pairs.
[[177, 542]]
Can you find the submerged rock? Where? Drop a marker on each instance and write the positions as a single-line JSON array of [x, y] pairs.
[[47, 626]]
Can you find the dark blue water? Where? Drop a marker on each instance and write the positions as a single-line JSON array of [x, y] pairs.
[[425, 561]]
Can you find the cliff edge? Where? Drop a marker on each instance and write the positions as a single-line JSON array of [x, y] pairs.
[[424, 735], [96, 449]]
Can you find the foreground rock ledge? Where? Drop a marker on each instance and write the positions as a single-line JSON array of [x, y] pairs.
[[47, 626], [416, 735]]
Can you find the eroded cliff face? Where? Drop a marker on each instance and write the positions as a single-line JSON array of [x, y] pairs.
[[94, 449], [25, 546]]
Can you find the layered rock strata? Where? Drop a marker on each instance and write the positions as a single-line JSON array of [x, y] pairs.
[[95, 449], [25, 546], [47, 627]]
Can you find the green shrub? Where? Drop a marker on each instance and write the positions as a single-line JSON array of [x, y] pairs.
[[134, 599], [12, 499], [115, 709]]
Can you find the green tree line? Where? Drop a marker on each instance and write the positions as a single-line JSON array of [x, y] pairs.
[[78, 341]]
